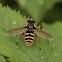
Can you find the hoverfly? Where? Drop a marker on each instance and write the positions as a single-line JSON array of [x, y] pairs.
[[29, 33]]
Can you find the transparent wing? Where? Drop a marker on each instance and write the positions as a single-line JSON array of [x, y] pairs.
[[43, 34], [15, 31]]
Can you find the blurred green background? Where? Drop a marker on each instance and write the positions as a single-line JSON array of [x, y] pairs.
[[47, 14]]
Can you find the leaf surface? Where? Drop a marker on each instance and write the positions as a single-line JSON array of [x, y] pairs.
[[10, 19]]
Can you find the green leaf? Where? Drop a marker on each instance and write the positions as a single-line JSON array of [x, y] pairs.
[[12, 18], [37, 8], [56, 31], [24, 53], [2, 59], [21, 52]]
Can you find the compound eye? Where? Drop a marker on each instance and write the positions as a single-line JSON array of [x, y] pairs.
[[32, 21]]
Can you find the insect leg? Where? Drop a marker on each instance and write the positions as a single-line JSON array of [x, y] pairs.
[[37, 41], [20, 37], [26, 24]]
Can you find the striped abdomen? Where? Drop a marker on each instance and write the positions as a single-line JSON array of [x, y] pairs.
[[29, 37]]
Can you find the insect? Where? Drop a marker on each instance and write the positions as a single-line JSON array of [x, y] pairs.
[[29, 33]]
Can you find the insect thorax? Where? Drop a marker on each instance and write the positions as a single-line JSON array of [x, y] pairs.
[[30, 27]]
